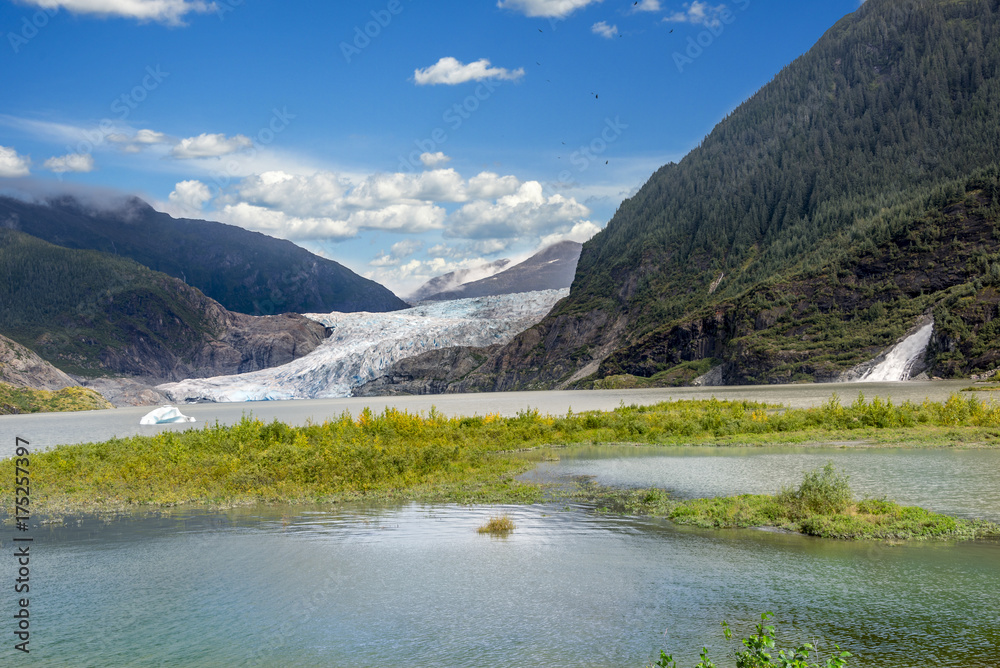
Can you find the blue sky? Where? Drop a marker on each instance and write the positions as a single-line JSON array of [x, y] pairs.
[[402, 138]]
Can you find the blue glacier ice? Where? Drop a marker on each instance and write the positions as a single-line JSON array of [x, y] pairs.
[[363, 345]]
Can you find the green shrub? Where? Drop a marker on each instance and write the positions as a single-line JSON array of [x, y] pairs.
[[759, 648], [824, 491]]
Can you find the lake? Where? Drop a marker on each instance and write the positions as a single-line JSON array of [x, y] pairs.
[[416, 585]]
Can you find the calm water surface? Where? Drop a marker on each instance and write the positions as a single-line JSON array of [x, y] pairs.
[[958, 482], [418, 586]]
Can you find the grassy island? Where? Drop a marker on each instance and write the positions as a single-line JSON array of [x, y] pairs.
[[397, 455], [824, 505]]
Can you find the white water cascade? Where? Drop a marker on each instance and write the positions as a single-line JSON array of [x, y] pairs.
[[899, 362]]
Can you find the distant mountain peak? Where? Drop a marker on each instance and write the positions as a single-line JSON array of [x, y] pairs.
[[454, 279], [552, 268]]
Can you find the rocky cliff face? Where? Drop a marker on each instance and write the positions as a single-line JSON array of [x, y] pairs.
[[229, 343], [433, 372], [22, 368]]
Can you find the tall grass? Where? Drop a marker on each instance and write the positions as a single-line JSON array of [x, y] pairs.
[[498, 525], [824, 505], [399, 454]]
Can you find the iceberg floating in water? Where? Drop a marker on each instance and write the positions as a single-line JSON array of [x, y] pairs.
[[165, 415], [363, 345]]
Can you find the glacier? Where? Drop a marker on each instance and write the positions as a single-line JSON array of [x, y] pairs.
[[363, 345]]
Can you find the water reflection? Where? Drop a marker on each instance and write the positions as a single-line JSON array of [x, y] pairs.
[[417, 585], [964, 483]]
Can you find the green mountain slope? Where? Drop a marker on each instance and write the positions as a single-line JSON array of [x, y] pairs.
[[92, 313], [796, 240], [244, 271]]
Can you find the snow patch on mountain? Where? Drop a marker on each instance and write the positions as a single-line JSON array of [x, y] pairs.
[[363, 345]]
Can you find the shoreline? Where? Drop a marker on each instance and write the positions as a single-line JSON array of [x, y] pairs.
[[432, 457]]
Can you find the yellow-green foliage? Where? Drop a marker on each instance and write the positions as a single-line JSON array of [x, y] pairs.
[[500, 525], [373, 455], [824, 506], [26, 400], [435, 457]]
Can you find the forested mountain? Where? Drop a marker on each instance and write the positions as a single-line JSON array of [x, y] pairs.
[[807, 232], [244, 271], [92, 313]]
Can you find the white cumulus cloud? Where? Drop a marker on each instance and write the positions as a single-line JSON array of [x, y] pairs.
[[280, 224], [439, 185], [488, 185], [434, 159], [190, 195], [139, 139], [406, 218], [580, 232], [545, 8], [170, 12], [71, 162], [209, 146], [450, 71], [699, 13], [320, 194], [13, 165], [398, 252], [647, 6], [527, 212], [604, 30]]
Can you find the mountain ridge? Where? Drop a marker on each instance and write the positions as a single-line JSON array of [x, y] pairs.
[[551, 268], [809, 230], [245, 271], [93, 314]]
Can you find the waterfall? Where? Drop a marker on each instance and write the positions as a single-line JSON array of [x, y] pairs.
[[899, 361]]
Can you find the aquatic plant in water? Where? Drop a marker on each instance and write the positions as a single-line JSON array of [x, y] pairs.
[[758, 652], [500, 525]]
